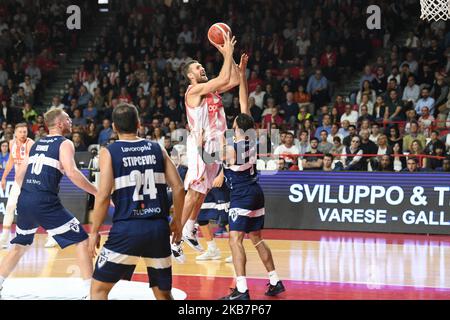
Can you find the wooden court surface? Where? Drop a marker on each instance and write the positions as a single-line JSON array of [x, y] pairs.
[[312, 264]]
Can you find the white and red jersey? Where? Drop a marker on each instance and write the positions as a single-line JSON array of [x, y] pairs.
[[20, 151], [208, 116]]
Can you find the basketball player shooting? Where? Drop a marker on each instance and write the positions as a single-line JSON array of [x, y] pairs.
[[207, 122]]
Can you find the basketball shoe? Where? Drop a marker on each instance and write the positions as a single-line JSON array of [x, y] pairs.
[[274, 290], [192, 240], [229, 259], [236, 295], [209, 254], [177, 252]]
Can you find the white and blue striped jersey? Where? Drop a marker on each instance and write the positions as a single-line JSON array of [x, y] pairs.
[[243, 172], [44, 171], [140, 190]]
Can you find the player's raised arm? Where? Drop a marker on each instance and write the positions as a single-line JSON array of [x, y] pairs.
[[243, 85], [66, 157], [234, 78], [224, 76], [173, 180]]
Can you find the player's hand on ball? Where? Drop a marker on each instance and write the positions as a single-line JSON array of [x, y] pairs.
[[175, 229], [228, 46], [94, 243]]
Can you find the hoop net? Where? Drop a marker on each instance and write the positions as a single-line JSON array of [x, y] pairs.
[[435, 10]]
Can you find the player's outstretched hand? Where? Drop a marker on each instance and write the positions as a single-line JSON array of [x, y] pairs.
[[94, 243], [175, 230], [243, 64]]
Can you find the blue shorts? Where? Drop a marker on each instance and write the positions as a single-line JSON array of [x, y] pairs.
[[46, 210], [216, 204], [130, 240], [247, 211]]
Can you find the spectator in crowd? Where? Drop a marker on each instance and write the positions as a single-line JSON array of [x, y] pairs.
[[281, 165], [288, 148], [304, 100], [380, 111], [425, 101], [258, 95], [338, 148], [302, 143], [303, 114], [350, 115], [411, 93], [426, 121], [105, 133], [271, 118], [394, 137], [445, 165], [326, 126], [416, 150], [395, 106], [313, 160], [385, 164], [318, 88], [437, 159], [367, 90], [352, 132], [412, 166], [413, 135], [29, 114], [78, 143], [328, 160], [434, 143], [290, 110], [4, 155], [78, 119], [344, 131], [334, 132], [353, 159], [324, 145]]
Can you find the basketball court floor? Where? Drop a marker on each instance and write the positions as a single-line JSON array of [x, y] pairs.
[[313, 265]]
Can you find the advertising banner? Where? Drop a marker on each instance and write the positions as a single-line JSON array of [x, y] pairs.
[[358, 201]]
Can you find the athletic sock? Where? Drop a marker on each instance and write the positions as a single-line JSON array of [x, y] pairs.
[[211, 245], [241, 284], [188, 228], [273, 278]]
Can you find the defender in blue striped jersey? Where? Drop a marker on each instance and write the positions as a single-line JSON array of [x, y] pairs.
[[137, 172], [39, 204], [246, 213]]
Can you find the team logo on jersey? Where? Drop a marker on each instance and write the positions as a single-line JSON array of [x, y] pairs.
[[102, 259], [75, 227], [233, 213]]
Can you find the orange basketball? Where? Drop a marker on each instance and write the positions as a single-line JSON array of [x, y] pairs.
[[216, 32]]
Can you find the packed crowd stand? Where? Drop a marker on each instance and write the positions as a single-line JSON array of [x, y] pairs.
[[300, 52]]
